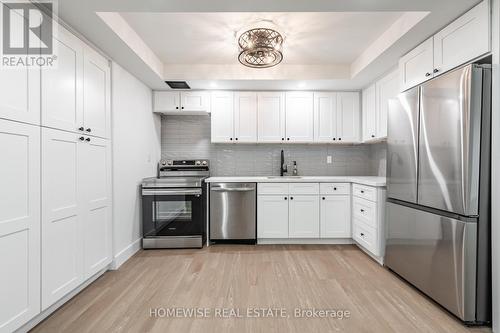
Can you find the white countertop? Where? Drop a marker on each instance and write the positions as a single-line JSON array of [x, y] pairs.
[[364, 180]]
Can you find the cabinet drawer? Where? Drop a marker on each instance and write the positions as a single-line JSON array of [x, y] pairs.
[[365, 210], [365, 236], [335, 188], [272, 188], [366, 192], [304, 188]]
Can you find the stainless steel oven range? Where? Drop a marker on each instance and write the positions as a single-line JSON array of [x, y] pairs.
[[174, 205]]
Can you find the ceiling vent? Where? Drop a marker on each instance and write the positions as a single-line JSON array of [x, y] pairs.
[[178, 84]]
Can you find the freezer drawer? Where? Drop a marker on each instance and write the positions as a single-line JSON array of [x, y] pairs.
[[436, 254], [232, 211]]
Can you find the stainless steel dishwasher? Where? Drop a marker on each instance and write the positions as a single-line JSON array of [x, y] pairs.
[[233, 212]]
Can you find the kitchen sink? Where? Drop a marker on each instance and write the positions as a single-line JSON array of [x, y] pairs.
[[284, 177]]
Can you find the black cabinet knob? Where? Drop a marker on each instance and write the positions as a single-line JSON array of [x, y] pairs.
[[286, 198], [80, 128], [88, 130], [87, 139], [177, 108], [282, 139], [81, 138], [182, 108], [288, 139], [362, 191], [435, 70], [362, 210], [373, 136], [334, 139], [323, 198], [335, 189], [427, 74], [362, 234], [231, 139], [340, 139], [291, 198], [236, 139]]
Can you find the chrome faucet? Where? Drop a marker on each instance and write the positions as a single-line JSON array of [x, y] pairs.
[[283, 166]]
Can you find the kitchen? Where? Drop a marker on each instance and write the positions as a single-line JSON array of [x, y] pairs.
[[271, 167]]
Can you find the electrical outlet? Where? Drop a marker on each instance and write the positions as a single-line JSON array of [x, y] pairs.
[[329, 159]]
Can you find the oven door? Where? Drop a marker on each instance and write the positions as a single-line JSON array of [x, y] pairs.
[[172, 212]]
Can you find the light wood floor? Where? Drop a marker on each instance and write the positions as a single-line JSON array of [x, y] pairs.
[[236, 276]]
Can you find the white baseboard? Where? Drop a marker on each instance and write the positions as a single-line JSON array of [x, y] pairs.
[[121, 257], [47, 312], [310, 241]]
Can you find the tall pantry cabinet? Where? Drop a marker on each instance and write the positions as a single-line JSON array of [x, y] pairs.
[[55, 183]]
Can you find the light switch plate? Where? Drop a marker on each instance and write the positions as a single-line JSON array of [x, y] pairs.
[[329, 159]]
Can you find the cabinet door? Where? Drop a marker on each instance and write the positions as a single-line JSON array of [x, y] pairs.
[[299, 116], [96, 94], [335, 216], [62, 86], [19, 86], [96, 205], [19, 224], [387, 89], [304, 216], [464, 39], [348, 122], [270, 117], [222, 116], [62, 241], [195, 101], [167, 101], [369, 113], [416, 66], [325, 117], [272, 216], [245, 116]]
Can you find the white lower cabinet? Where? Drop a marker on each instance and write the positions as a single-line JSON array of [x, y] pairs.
[[368, 209], [335, 216], [19, 224], [303, 216], [76, 217], [272, 216]]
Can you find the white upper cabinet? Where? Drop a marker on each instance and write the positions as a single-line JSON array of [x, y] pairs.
[[348, 121], [76, 94], [369, 107], [417, 66], [62, 87], [19, 224], [387, 88], [182, 102], [325, 117], [20, 87], [464, 39], [167, 101], [96, 94], [245, 116], [299, 116], [270, 117], [195, 101], [222, 121]]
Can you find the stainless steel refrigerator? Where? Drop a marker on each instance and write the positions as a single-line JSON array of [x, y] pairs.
[[438, 206]]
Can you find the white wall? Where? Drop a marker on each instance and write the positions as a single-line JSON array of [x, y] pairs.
[[495, 219], [136, 152]]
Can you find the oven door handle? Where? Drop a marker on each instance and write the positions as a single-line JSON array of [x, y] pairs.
[[172, 192], [235, 189]]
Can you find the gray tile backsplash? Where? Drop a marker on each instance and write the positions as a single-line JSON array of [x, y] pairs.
[[185, 137]]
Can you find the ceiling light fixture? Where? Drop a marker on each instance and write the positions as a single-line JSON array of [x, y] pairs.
[[260, 48]]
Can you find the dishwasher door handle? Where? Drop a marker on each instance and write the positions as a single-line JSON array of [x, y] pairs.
[[236, 189]]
